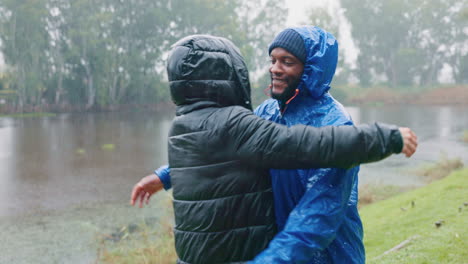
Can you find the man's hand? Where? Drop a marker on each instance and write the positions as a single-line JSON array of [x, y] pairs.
[[145, 188], [410, 141]]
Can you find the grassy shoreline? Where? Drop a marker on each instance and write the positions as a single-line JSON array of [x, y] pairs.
[[429, 221], [149, 242], [376, 95]]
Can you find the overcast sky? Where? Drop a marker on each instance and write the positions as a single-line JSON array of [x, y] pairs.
[[297, 15], [298, 8]]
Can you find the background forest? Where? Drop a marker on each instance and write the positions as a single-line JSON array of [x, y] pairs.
[[98, 55]]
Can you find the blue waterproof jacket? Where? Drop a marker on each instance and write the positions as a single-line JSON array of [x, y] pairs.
[[316, 209]]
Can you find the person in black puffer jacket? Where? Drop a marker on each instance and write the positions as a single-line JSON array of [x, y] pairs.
[[220, 152]]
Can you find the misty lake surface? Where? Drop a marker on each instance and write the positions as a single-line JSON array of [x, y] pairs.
[[66, 179]]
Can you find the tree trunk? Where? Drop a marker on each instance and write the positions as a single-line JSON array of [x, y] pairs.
[[91, 93], [430, 73], [113, 90], [21, 89], [59, 91], [91, 89]]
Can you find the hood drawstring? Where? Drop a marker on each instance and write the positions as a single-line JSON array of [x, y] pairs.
[[267, 91], [290, 99], [295, 94]]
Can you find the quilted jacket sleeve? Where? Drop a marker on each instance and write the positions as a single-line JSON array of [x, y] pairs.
[[264, 143]]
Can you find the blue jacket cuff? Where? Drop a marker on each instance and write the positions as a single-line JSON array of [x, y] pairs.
[[163, 173]]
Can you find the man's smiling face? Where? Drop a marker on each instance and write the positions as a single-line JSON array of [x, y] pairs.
[[286, 71]]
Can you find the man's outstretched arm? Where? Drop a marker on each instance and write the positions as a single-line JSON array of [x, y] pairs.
[[151, 184], [263, 143]]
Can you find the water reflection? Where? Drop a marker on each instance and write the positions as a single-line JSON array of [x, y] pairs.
[[439, 129], [69, 159], [6, 169], [443, 121]]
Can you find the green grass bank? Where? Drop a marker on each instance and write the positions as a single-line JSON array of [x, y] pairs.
[[400, 229], [426, 225]]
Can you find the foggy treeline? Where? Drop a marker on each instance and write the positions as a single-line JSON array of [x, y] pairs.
[[108, 52], [404, 42], [101, 54]]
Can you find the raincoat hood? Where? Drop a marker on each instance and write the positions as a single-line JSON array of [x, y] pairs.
[[321, 60], [207, 70]]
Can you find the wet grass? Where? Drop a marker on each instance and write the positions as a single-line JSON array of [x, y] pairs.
[[370, 193], [440, 169], [144, 243], [465, 136], [80, 151], [426, 225], [108, 147], [147, 246]]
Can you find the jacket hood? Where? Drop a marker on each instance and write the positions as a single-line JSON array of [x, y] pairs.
[[322, 58], [207, 70]]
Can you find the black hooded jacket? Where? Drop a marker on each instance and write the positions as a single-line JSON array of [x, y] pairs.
[[219, 153]]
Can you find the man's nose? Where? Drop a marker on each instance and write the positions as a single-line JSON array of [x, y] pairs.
[[275, 69]]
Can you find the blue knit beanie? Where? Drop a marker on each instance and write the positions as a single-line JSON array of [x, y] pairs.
[[291, 41]]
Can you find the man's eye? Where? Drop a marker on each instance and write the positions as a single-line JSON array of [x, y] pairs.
[[289, 63]]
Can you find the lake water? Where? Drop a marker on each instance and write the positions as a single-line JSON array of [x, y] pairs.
[[66, 179]]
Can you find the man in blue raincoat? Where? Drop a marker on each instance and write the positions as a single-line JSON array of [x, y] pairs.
[[316, 209]]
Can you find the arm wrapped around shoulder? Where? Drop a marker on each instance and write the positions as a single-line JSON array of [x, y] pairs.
[[271, 145], [362, 144], [346, 146]]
